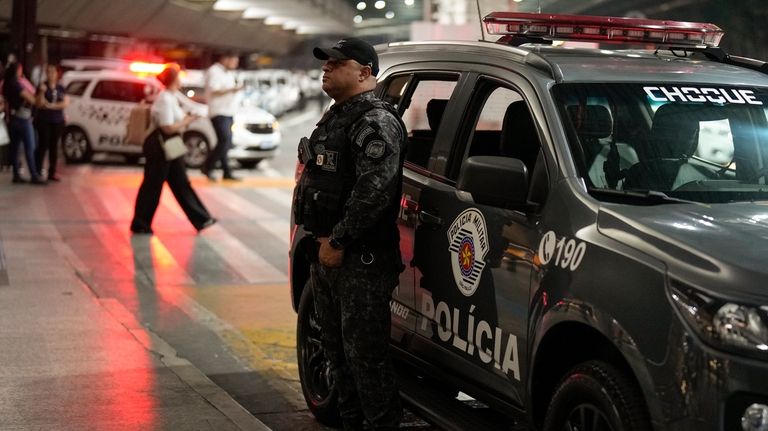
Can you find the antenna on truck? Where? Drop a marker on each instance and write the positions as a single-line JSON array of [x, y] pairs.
[[480, 20]]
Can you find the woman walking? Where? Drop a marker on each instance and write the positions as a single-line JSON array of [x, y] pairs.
[[169, 120], [49, 120], [20, 96]]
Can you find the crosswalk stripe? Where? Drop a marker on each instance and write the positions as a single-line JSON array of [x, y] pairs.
[[116, 203], [278, 197], [147, 252], [276, 226], [251, 266], [103, 232]]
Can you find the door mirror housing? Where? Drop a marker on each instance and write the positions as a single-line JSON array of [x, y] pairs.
[[495, 181]]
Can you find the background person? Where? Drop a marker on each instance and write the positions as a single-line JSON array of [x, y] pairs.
[[352, 181], [5, 139], [221, 96], [170, 120], [20, 96], [49, 120]]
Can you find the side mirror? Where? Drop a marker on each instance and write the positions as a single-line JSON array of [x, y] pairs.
[[496, 181]]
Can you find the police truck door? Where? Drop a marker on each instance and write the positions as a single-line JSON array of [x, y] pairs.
[[475, 261]]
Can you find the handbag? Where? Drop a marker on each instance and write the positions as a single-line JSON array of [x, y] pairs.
[[139, 124], [173, 147], [5, 139]]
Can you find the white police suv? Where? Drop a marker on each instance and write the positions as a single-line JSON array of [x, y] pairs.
[[100, 102], [585, 230]]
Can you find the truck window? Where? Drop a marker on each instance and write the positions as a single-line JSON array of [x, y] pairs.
[[77, 88], [502, 125], [422, 109], [120, 91]]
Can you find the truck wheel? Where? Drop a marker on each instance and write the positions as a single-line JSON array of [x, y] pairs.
[[314, 369], [76, 147], [595, 396]]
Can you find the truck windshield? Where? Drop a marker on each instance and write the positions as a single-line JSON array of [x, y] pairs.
[[704, 143]]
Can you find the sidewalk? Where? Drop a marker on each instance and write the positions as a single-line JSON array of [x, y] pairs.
[[72, 361]]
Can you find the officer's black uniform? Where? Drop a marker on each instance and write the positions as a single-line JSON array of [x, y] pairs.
[[349, 191]]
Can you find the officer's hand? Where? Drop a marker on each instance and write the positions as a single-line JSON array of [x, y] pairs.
[[329, 256]]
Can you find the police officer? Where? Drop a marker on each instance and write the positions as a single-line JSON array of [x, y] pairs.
[[348, 198]]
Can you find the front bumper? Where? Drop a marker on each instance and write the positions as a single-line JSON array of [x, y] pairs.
[[703, 389], [254, 146]]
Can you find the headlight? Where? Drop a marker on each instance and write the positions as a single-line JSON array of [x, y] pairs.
[[735, 327], [275, 125], [237, 125]]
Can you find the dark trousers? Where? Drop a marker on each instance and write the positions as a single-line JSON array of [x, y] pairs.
[[352, 304], [48, 135], [223, 127], [21, 133], [157, 171]]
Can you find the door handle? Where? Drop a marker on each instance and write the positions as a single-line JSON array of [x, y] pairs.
[[429, 219]]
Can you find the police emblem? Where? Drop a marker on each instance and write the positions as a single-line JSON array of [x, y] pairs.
[[468, 244], [375, 149]]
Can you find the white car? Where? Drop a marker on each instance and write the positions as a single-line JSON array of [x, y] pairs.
[[97, 116], [275, 90]]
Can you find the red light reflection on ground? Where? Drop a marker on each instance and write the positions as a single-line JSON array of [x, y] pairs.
[[130, 394]]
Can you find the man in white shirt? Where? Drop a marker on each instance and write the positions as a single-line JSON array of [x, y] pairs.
[[221, 95]]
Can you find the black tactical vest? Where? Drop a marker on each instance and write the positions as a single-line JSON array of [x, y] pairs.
[[329, 174]]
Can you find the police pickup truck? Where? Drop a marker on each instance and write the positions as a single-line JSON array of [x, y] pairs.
[[585, 230]]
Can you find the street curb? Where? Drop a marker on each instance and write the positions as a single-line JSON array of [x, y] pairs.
[[184, 370]]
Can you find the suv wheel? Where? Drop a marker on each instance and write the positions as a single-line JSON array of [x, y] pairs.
[[595, 396], [314, 370], [76, 147], [197, 149]]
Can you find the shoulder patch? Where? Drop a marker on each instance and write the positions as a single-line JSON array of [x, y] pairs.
[[375, 149], [363, 135]]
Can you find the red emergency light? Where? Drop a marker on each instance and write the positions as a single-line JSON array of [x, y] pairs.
[[602, 29], [141, 67]]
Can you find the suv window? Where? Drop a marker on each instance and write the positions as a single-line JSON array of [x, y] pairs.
[[502, 126], [395, 90], [422, 106], [77, 88], [120, 90], [487, 136]]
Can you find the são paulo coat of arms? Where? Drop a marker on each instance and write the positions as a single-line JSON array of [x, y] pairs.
[[468, 244]]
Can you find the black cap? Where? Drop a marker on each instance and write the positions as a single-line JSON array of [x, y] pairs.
[[351, 48]]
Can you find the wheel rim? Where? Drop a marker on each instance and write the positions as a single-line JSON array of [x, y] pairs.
[[316, 368], [197, 150], [75, 145], [587, 417]]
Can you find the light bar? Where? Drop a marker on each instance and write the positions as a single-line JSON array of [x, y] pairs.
[[146, 68], [602, 29]]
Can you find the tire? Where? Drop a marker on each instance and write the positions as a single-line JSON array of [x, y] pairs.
[[249, 164], [314, 371], [76, 146], [197, 149], [595, 396]]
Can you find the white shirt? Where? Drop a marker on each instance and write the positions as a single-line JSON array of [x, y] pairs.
[[218, 78], [166, 109]]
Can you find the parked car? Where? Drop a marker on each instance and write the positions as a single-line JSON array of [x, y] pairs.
[[585, 230], [102, 100], [274, 90]]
